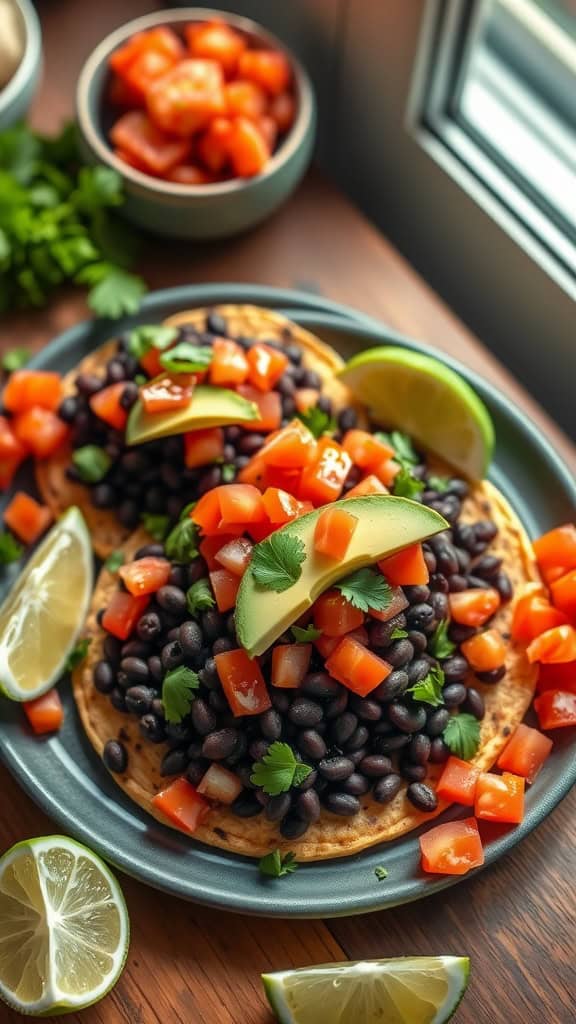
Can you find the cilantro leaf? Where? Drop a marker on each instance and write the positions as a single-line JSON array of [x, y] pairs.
[[304, 636], [317, 421], [277, 561], [199, 597], [148, 336], [156, 525], [92, 463], [440, 645], [429, 689], [15, 358], [178, 692], [276, 864], [403, 448], [228, 472], [97, 187], [10, 549], [182, 541], [406, 485], [140, 379], [187, 358], [398, 634], [117, 292], [278, 770], [78, 653], [462, 735], [365, 589], [381, 873], [438, 483], [114, 561]]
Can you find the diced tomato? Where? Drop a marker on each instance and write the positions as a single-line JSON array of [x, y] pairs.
[[284, 479], [182, 805], [229, 363], [216, 40], [326, 644], [268, 68], [252, 473], [146, 67], [334, 615], [240, 503], [266, 366], [365, 450], [557, 677], [213, 147], [292, 447], [556, 709], [145, 575], [269, 409], [555, 645], [203, 446], [107, 406], [10, 446], [235, 555], [269, 131], [556, 551], [280, 506], [452, 849], [119, 94], [387, 471], [225, 586], [283, 110], [306, 398], [245, 99], [167, 392], [137, 135], [249, 152], [26, 517], [564, 593], [485, 651], [242, 682], [189, 174], [457, 784], [45, 713], [206, 512], [398, 603], [220, 784], [187, 97], [525, 752], [8, 469], [333, 532], [474, 607], [123, 613], [290, 664], [406, 568], [533, 614], [26, 389], [369, 485], [322, 481], [259, 531], [356, 667], [210, 546], [41, 431], [161, 39], [500, 797]]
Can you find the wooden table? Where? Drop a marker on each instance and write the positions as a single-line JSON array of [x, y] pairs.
[[517, 919]]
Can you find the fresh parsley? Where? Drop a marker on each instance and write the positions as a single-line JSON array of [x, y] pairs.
[[156, 525], [199, 597], [276, 864], [277, 561], [381, 873], [228, 472], [438, 483], [404, 452], [78, 653], [366, 589], [91, 463], [440, 645], [304, 636], [178, 691], [317, 421], [279, 770], [398, 634], [114, 561], [182, 541], [187, 358], [406, 485], [148, 336], [10, 549], [429, 689], [462, 735], [15, 358]]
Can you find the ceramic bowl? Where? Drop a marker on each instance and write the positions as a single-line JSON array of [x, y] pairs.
[[17, 94], [195, 212]]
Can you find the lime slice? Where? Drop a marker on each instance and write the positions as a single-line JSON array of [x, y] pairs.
[[45, 610], [408, 990], [64, 928], [421, 397]]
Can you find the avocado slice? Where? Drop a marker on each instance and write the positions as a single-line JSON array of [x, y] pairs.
[[209, 407], [385, 525]]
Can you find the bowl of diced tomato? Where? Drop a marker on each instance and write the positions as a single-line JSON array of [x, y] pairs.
[[205, 114]]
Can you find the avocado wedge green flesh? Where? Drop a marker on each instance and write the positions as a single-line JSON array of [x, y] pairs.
[[386, 524], [210, 407]]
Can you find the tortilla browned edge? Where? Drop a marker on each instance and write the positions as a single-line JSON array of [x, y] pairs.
[[332, 836], [59, 492]]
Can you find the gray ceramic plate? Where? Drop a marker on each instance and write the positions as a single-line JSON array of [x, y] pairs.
[[64, 776]]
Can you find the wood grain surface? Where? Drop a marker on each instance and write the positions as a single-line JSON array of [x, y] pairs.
[[517, 920]]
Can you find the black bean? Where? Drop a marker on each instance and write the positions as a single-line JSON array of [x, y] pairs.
[[347, 419], [172, 655], [258, 749], [324, 404], [103, 495], [437, 722], [208, 675], [419, 749], [218, 701], [293, 352], [476, 583], [356, 785], [439, 583], [178, 733], [241, 744], [320, 685], [305, 713], [139, 699], [209, 479], [334, 769], [203, 717], [307, 806], [311, 379], [344, 804], [412, 772], [212, 623], [285, 386], [406, 719], [278, 807], [117, 699], [455, 668], [375, 765], [504, 587], [150, 551], [152, 728], [136, 669], [417, 594], [115, 756], [88, 383], [422, 797], [174, 762], [474, 703], [135, 649], [129, 395], [336, 706], [122, 680], [114, 371], [195, 771], [104, 676], [270, 724], [430, 559], [485, 530], [250, 443], [421, 617], [439, 752], [418, 640], [464, 560], [488, 566], [459, 633], [149, 626], [495, 676], [450, 507], [246, 805], [417, 670], [343, 728], [157, 707], [380, 633], [367, 710], [457, 583], [292, 827], [440, 606], [68, 409], [311, 744], [400, 652], [216, 324], [446, 559], [393, 686], [454, 694], [172, 600], [190, 638], [220, 744], [280, 700], [358, 739], [387, 788], [128, 513]]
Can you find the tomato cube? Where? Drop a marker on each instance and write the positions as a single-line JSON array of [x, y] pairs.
[[334, 615], [474, 607], [206, 512], [240, 503], [564, 593], [40, 431], [525, 752], [145, 575], [266, 366], [453, 848], [269, 68], [556, 709], [486, 651], [26, 517], [333, 532], [209, 548], [168, 391], [235, 555], [137, 135], [406, 568], [555, 645], [106, 404], [229, 363], [533, 614], [290, 448], [181, 804], [322, 481], [398, 603], [242, 682], [556, 551], [557, 677], [245, 99], [306, 398], [290, 664], [369, 485], [213, 146], [280, 506], [45, 713], [500, 797], [269, 409], [326, 644], [220, 784], [218, 41], [202, 447], [26, 389], [365, 450], [187, 97], [225, 586], [356, 667], [123, 613], [457, 784], [283, 111]]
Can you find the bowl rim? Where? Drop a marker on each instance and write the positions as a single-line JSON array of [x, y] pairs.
[[100, 54], [31, 57]]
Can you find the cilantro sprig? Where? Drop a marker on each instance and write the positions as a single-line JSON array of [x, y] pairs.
[[114, 561], [199, 597], [78, 653], [10, 549], [187, 358], [366, 589], [317, 421], [462, 735], [381, 872], [304, 636], [15, 358], [276, 864], [406, 485], [403, 448], [178, 692], [156, 524], [279, 770], [91, 463], [429, 689], [277, 561], [440, 645], [182, 541], [148, 336], [438, 483]]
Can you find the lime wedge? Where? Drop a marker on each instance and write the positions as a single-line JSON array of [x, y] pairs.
[[64, 928], [422, 397], [408, 990], [45, 610]]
